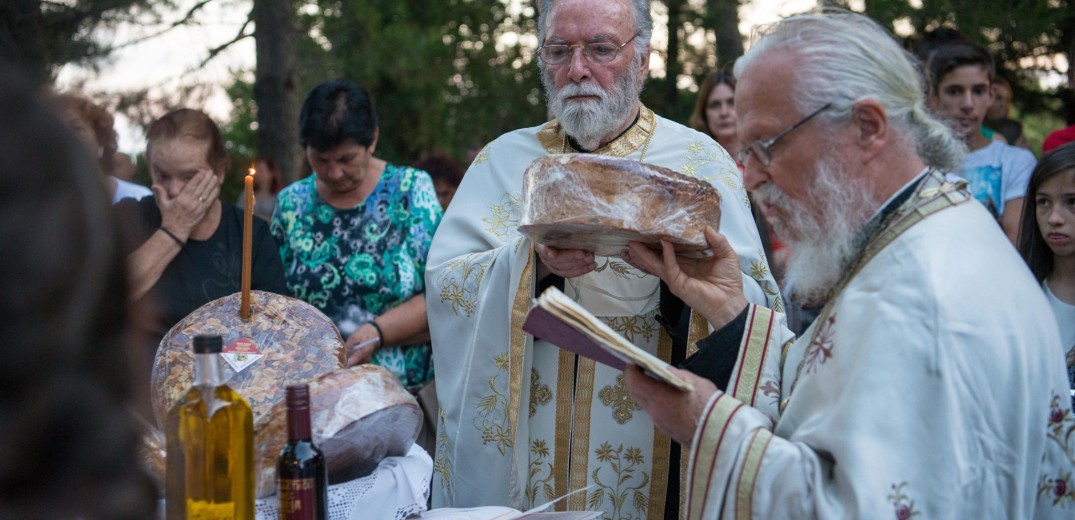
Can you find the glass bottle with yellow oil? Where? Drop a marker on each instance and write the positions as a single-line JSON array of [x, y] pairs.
[[210, 461]]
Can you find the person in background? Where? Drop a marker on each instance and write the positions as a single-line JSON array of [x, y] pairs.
[[522, 421], [1066, 134], [70, 440], [961, 78], [714, 114], [267, 183], [187, 244], [714, 110], [124, 167], [446, 175], [1047, 239], [354, 235], [1002, 100], [94, 126], [928, 44], [920, 391], [998, 117], [1012, 132]]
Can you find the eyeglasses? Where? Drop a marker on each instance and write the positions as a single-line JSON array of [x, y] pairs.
[[596, 52], [760, 149]]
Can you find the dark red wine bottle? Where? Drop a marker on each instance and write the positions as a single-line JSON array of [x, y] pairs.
[[301, 473]]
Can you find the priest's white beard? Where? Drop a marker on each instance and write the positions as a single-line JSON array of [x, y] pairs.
[[588, 122], [822, 248]]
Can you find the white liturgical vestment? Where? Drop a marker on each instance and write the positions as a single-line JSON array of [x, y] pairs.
[[521, 421], [930, 386]]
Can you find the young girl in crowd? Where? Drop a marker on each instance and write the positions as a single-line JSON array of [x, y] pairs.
[[1047, 239]]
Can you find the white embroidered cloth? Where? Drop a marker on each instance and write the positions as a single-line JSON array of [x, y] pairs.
[[396, 489]]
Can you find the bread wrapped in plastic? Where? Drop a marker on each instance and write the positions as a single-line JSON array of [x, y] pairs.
[[599, 203], [286, 341], [359, 416]]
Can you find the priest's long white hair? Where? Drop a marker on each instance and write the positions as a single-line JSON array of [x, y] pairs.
[[845, 57]]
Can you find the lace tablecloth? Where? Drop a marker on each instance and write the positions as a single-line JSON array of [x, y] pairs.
[[397, 489]]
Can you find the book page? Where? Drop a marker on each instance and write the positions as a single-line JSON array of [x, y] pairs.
[[600, 336]]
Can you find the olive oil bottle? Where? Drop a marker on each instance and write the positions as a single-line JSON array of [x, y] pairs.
[[210, 461]]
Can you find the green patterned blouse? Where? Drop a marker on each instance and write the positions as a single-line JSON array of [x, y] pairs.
[[355, 264]]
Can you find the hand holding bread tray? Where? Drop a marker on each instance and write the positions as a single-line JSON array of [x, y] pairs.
[[599, 203]]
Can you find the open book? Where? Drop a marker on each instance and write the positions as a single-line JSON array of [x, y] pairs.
[[559, 320]]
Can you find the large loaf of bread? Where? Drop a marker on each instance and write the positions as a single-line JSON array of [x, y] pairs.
[[598, 203], [359, 416]]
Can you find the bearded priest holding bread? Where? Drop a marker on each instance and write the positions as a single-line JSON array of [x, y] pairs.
[[523, 422]]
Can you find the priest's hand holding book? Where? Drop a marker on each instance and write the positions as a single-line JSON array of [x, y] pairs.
[[712, 286], [673, 411]]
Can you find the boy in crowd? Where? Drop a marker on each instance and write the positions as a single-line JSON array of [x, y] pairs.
[[961, 91]]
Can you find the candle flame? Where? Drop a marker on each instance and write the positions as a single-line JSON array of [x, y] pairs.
[[251, 170]]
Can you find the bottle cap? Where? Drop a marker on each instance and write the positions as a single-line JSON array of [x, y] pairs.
[[298, 396], [208, 344]]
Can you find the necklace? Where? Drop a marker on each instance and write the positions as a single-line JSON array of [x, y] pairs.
[[645, 144]]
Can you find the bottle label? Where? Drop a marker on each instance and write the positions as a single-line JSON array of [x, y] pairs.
[[298, 498], [241, 353]]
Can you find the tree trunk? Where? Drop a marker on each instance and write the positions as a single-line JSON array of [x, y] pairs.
[[275, 85], [672, 66], [725, 16], [1067, 39]]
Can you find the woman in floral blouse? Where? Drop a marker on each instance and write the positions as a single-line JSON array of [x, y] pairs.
[[354, 235]]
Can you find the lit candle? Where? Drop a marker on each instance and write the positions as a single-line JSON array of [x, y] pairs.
[[248, 227]]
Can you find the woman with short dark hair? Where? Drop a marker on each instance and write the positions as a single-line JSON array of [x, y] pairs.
[[354, 235]]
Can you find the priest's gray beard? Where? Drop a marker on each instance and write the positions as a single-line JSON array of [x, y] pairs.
[[588, 122], [822, 247]]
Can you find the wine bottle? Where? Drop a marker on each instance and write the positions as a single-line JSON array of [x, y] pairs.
[[301, 473], [210, 445]]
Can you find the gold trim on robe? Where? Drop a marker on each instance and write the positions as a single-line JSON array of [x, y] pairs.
[[564, 381], [744, 491], [715, 421], [661, 446], [519, 308], [580, 432], [746, 381]]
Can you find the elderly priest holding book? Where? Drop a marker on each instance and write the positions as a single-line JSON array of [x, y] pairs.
[[921, 389]]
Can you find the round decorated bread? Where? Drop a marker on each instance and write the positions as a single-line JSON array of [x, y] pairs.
[[599, 203], [359, 416], [286, 341]]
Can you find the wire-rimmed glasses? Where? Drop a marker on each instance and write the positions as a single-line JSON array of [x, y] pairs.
[[760, 149], [596, 52]]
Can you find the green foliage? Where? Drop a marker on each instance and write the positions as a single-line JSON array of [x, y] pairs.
[[443, 74], [1023, 35]]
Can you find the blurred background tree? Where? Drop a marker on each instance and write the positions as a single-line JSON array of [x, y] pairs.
[[450, 75], [40, 37]]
